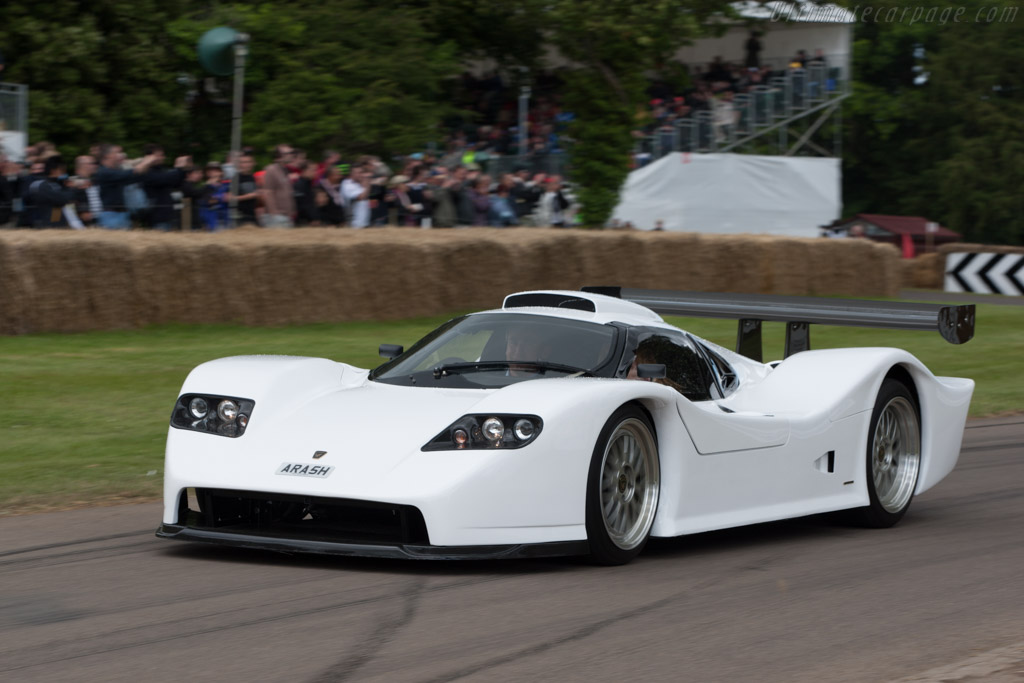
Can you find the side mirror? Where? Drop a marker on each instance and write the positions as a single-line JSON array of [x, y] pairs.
[[390, 351], [650, 371]]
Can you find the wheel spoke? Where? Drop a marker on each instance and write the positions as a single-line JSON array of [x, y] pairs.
[[613, 514], [632, 514], [615, 457], [620, 516]]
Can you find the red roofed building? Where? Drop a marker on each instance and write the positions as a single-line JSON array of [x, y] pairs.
[[911, 234]]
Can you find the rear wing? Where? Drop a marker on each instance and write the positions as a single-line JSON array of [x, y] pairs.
[[954, 322]]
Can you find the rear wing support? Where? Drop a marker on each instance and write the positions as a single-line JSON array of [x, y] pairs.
[[954, 322]]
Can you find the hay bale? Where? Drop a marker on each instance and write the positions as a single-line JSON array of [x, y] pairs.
[[88, 280], [924, 272]]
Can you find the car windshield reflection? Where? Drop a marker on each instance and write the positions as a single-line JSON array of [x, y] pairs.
[[498, 349]]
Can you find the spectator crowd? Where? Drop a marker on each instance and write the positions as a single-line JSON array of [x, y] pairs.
[[105, 189], [713, 88]]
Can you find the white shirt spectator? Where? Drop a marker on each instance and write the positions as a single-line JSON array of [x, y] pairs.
[[351, 190], [549, 210], [95, 203]]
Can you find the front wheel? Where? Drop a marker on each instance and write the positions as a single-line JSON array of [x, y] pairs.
[[622, 487], [893, 457]]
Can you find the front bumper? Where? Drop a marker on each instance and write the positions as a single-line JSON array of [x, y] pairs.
[[397, 551], [325, 525]]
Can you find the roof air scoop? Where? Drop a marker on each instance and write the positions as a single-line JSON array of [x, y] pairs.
[[549, 300]]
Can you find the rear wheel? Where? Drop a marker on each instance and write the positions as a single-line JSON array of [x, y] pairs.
[[622, 487], [893, 456]]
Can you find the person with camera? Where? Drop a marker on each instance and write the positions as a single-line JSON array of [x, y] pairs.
[[248, 191], [355, 190], [159, 182], [51, 194], [111, 177]]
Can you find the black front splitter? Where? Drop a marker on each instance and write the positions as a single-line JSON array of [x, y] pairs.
[[402, 552]]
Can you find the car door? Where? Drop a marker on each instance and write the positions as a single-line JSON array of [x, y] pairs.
[[731, 474]]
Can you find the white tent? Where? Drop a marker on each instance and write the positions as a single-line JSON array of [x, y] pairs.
[[733, 193]]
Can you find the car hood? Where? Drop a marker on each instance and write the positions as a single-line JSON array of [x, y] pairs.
[[367, 430]]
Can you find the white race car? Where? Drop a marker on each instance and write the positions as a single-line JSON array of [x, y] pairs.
[[564, 423]]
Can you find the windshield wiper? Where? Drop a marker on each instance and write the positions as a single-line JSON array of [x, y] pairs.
[[541, 366]]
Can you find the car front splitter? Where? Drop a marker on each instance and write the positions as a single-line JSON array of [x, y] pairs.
[[404, 552]]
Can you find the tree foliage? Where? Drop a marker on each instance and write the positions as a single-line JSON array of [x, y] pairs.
[[97, 71], [357, 75], [353, 75], [949, 146], [615, 45]]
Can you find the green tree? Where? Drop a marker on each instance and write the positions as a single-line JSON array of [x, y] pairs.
[[352, 74], [936, 124], [614, 44], [357, 76], [97, 71]]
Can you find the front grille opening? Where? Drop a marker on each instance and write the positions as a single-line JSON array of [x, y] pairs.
[[301, 517]]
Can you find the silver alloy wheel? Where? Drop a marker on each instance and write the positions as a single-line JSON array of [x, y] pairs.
[[630, 481], [896, 454]]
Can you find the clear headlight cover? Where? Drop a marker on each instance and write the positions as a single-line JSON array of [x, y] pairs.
[[222, 415], [487, 431]]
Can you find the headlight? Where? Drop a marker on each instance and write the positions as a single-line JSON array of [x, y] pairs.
[[487, 431], [198, 407], [493, 429], [524, 429], [230, 418], [227, 410]]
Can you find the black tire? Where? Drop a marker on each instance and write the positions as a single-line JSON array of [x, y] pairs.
[[623, 487], [893, 460]]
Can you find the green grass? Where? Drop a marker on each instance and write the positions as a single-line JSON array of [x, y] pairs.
[[83, 417]]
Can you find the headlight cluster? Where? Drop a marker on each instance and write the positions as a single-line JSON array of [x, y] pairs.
[[487, 431], [214, 414]]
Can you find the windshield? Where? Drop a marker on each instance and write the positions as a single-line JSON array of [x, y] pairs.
[[498, 349]]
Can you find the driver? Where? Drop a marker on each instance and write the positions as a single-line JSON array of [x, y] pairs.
[[644, 356], [526, 343], [647, 353]]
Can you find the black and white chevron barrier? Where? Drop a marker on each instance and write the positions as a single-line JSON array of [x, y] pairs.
[[985, 273]]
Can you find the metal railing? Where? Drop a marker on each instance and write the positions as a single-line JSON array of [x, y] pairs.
[[767, 107], [555, 163]]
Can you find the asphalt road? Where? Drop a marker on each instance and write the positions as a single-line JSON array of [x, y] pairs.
[[93, 596]]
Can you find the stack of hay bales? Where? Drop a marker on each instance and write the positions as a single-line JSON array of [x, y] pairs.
[[92, 280]]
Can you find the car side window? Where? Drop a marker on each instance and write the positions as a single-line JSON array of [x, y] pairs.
[[685, 368], [726, 375]]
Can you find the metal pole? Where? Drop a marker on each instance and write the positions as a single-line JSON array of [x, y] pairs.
[[241, 51], [524, 118], [23, 111]]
